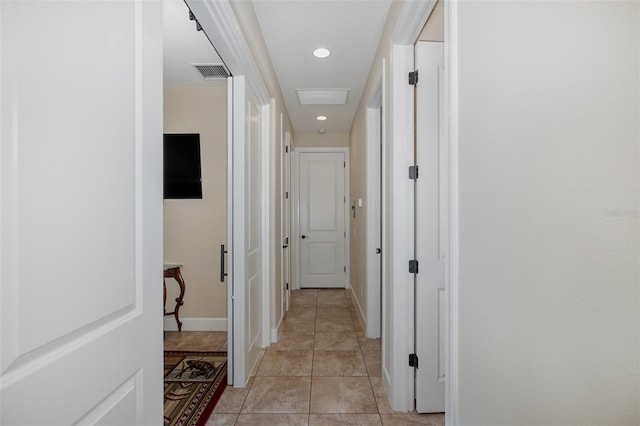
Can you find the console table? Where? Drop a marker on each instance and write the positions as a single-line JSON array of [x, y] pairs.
[[172, 270]]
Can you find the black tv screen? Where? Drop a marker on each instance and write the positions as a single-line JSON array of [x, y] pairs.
[[182, 173]]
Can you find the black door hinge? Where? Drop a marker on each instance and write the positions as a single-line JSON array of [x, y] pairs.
[[413, 78], [286, 195], [286, 148], [287, 286], [413, 266], [413, 360], [413, 172]]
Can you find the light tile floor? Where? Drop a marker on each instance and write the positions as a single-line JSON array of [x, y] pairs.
[[322, 371]]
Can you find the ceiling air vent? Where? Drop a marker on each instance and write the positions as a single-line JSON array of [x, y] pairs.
[[212, 72], [323, 97]]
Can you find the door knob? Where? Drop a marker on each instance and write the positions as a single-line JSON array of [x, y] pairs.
[[378, 251], [303, 237]]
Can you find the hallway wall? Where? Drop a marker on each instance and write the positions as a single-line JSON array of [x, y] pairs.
[[315, 140], [358, 224], [194, 229], [549, 224]]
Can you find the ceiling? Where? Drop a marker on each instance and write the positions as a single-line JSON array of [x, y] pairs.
[[184, 45], [292, 29], [351, 29]]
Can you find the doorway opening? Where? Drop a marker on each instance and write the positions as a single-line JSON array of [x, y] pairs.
[[196, 102]]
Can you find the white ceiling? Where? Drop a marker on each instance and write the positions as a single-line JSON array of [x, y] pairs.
[[183, 46], [351, 29], [292, 29]]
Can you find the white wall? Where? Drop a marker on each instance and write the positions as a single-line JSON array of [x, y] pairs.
[[358, 224], [195, 229], [549, 234]]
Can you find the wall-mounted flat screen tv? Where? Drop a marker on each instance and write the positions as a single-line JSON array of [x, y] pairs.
[[182, 172]]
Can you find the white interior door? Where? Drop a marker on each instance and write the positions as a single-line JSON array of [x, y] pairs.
[[323, 261], [431, 229], [247, 226], [81, 212]]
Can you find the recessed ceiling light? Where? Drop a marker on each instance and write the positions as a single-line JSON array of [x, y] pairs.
[[321, 118], [321, 52], [322, 131]]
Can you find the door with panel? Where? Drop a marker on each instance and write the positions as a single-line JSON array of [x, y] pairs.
[[431, 228], [322, 198], [81, 218], [247, 246]]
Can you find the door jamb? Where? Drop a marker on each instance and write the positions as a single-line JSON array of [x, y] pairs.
[[452, 277], [229, 281]]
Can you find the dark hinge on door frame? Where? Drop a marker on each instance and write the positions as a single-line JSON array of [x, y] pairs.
[[413, 266], [413, 360], [413, 78], [413, 172]]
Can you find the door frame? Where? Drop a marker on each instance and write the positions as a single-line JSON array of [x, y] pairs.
[[295, 202], [221, 26], [285, 215], [399, 318]]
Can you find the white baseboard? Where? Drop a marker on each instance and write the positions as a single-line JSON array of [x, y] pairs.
[[196, 324], [275, 332], [361, 316], [386, 381]]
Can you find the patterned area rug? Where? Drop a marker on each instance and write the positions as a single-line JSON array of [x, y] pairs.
[[193, 384]]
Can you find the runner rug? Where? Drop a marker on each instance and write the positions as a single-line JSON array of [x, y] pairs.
[[193, 384]]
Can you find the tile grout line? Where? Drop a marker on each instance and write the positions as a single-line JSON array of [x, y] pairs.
[[313, 358]]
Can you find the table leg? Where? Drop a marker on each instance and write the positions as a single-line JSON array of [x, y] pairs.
[[179, 301], [164, 299]]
